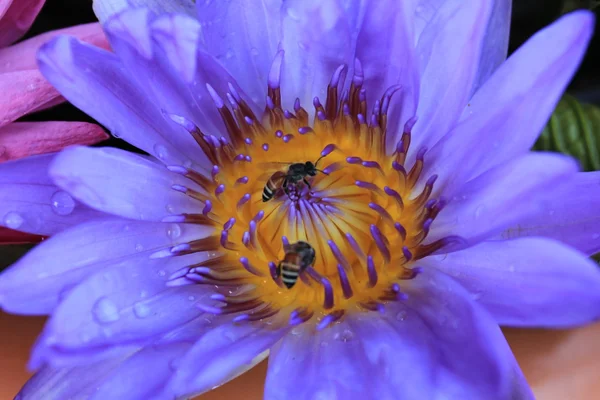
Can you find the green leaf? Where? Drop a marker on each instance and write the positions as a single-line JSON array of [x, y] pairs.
[[574, 129]]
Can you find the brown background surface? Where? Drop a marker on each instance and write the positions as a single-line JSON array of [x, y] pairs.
[[562, 364]]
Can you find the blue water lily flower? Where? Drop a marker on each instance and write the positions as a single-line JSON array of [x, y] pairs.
[[428, 220]]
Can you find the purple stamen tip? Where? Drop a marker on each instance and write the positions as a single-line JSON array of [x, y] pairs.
[[223, 141], [346, 109], [259, 215], [218, 297], [421, 153], [297, 104], [244, 199], [344, 282], [224, 238], [328, 293], [179, 188], [374, 121], [241, 318], [246, 238], [317, 102], [395, 288], [248, 120], [417, 270], [401, 230], [178, 169], [353, 160], [227, 225], [207, 207], [220, 189], [427, 224], [410, 124], [399, 146], [304, 130], [430, 203], [248, 140], [248, 159], [324, 323], [398, 167], [270, 103], [407, 254], [370, 164], [335, 79], [209, 309], [285, 241], [265, 147], [273, 270], [358, 73], [233, 91], [214, 171], [288, 137], [321, 115], [215, 97], [180, 247], [379, 242], [287, 114], [431, 180], [243, 180], [361, 118], [362, 95], [371, 271], [327, 150], [278, 133], [232, 101], [239, 157]]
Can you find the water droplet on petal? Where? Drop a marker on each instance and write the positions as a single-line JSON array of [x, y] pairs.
[[296, 331], [105, 310], [13, 220], [174, 231], [160, 151], [62, 203], [401, 316], [141, 310], [139, 247], [345, 336]]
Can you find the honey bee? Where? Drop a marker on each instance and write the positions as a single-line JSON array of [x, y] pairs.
[[298, 257], [296, 172]]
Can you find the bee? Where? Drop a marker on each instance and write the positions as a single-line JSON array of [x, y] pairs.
[[298, 257], [296, 172]]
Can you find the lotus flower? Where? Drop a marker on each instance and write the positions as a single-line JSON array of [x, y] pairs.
[[24, 90], [426, 220]]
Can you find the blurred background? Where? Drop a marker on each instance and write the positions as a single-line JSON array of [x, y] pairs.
[[558, 364]]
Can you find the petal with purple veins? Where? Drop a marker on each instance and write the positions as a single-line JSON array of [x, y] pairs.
[[506, 115], [244, 36], [532, 282], [122, 183], [40, 280], [500, 197], [31, 202], [568, 214]]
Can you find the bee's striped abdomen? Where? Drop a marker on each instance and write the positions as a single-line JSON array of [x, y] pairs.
[[272, 186], [289, 273]]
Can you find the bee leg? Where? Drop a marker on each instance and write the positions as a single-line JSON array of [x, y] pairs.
[[307, 184]]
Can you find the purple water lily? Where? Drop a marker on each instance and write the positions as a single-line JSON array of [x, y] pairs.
[[430, 220]]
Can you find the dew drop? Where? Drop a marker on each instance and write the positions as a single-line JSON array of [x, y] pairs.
[[174, 231], [170, 209], [13, 220], [62, 203], [160, 151], [139, 247], [141, 310], [345, 336], [296, 331], [401, 316], [105, 310]]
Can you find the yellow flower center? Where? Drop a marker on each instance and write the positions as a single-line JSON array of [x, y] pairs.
[[360, 215]]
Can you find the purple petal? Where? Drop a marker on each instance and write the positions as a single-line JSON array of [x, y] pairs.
[[224, 351], [527, 282], [569, 214], [495, 42], [316, 41], [500, 197], [31, 202], [128, 303], [448, 50], [67, 383], [436, 344], [387, 53], [243, 36], [39, 280], [122, 183], [104, 9], [97, 82], [514, 104], [142, 375]]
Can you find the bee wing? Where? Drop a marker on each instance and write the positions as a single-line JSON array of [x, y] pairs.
[[274, 165]]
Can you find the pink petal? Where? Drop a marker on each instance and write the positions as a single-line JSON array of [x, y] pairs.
[[22, 139], [22, 56], [8, 236], [16, 16], [23, 92]]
